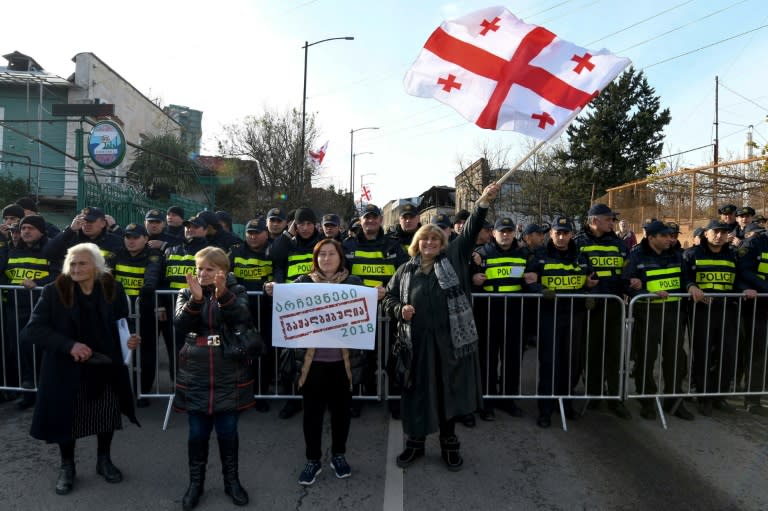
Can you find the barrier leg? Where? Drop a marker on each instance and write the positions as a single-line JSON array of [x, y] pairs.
[[562, 413], [167, 413], [661, 412]]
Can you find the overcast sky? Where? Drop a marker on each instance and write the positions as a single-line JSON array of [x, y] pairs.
[[232, 58]]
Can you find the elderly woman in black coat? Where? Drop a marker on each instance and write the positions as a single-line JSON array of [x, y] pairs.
[[429, 296], [84, 385], [213, 383]]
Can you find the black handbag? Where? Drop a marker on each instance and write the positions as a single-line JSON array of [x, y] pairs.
[[242, 341], [400, 361]]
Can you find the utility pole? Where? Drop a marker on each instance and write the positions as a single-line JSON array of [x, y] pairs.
[[716, 148]]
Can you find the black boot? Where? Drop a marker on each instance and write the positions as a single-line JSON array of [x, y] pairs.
[[450, 451], [414, 449], [198, 460], [106, 469], [228, 448], [66, 477]]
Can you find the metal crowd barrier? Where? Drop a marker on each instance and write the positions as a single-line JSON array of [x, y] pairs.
[[571, 339], [678, 349], [665, 350]]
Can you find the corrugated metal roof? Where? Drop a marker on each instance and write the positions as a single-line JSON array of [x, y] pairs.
[[34, 77]]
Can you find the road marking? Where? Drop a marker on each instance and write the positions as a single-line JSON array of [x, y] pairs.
[[393, 479]]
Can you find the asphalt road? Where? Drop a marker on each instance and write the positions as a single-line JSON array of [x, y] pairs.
[[601, 462]]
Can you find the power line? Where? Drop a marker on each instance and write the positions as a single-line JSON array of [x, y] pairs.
[[705, 47], [742, 97], [683, 152], [640, 22], [680, 27], [580, 8], [547, 9]]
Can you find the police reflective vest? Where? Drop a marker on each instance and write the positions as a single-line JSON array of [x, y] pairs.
[[711, 271], [180, 261], [752, 263], [559, 271], [374, 261], [503, 269], [657, 271], [252, 269], [21, 267], [298, 264], [137, 272], [607, 256]]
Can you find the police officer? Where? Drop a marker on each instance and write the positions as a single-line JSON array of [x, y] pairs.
[[174, 220], [444, 222], [744, 217], [752, 270], [708, 270], [159, 237], [374, 258], [407, 225], [276, 222], [89, 226], [554, 269], [292, 257], [251, 263], [216, 235], [138, 268], [331, 225], [656, 267], [532, 239], [501, 273], [460, 219], [24, 265], [30, 208], [728, 216], [607, 255], [12, 214], [178, 262]]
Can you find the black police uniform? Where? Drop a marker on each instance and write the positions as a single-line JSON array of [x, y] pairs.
[[752, 271], [140, 276], [658, 321], [375, 262], [607, 256], [713, 325], [20, 263], [499, 321], [56, 249], [560, 321]]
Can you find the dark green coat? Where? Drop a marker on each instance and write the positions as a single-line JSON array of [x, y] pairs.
[[435, 370]]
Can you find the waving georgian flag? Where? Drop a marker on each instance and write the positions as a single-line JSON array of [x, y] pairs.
[[503, 74], [365, 194], [317, 156]]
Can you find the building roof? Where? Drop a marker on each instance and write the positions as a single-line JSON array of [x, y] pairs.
[[24, 70]]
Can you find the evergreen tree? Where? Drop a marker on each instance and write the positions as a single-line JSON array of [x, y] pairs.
[[618, 138]]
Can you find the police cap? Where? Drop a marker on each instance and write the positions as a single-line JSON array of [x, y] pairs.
[[656, 227], [717, 225], [134, 230], [728, 209], [408, 210], [441, 221], [562, 223], [275, 213], [154, 215], [91, 214], [371, 209], [601, 210], [256, 225], [745, 211], [504, 223], [332, 219]]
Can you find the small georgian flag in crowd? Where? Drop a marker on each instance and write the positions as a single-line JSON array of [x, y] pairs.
[[365, 194], [317, 156], [503, 74]]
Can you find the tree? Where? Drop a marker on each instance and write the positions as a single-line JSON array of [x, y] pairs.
[[162, 165], [11, 188], [282, 175], [618, 138]]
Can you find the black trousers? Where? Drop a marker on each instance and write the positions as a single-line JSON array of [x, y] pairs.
[[752, 351], [659, 328], [498, 321], [559, 350], [714, 345], [327, 386], [603, 346]]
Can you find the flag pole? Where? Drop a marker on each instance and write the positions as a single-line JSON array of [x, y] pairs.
[[520, 163]]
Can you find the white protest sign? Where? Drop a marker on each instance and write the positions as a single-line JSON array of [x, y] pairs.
[[324, 316]]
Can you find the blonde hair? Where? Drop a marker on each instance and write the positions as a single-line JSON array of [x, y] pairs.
[[85, 248], [413, 249], [213, 255]]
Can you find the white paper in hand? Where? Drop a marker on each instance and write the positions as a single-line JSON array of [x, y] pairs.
[[125, 334]]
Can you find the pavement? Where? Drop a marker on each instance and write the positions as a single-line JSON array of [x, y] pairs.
[[601, 462]]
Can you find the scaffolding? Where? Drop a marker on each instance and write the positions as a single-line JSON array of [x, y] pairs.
[[691, 197]]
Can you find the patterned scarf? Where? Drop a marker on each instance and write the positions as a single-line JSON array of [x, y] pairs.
[[461, 319]]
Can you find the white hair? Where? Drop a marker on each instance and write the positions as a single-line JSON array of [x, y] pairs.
[[86, 248]]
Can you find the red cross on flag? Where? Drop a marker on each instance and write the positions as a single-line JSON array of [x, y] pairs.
[[316, 157], [365, 194], [503, 74]]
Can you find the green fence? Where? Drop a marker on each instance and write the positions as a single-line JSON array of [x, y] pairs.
[[127, 205]]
